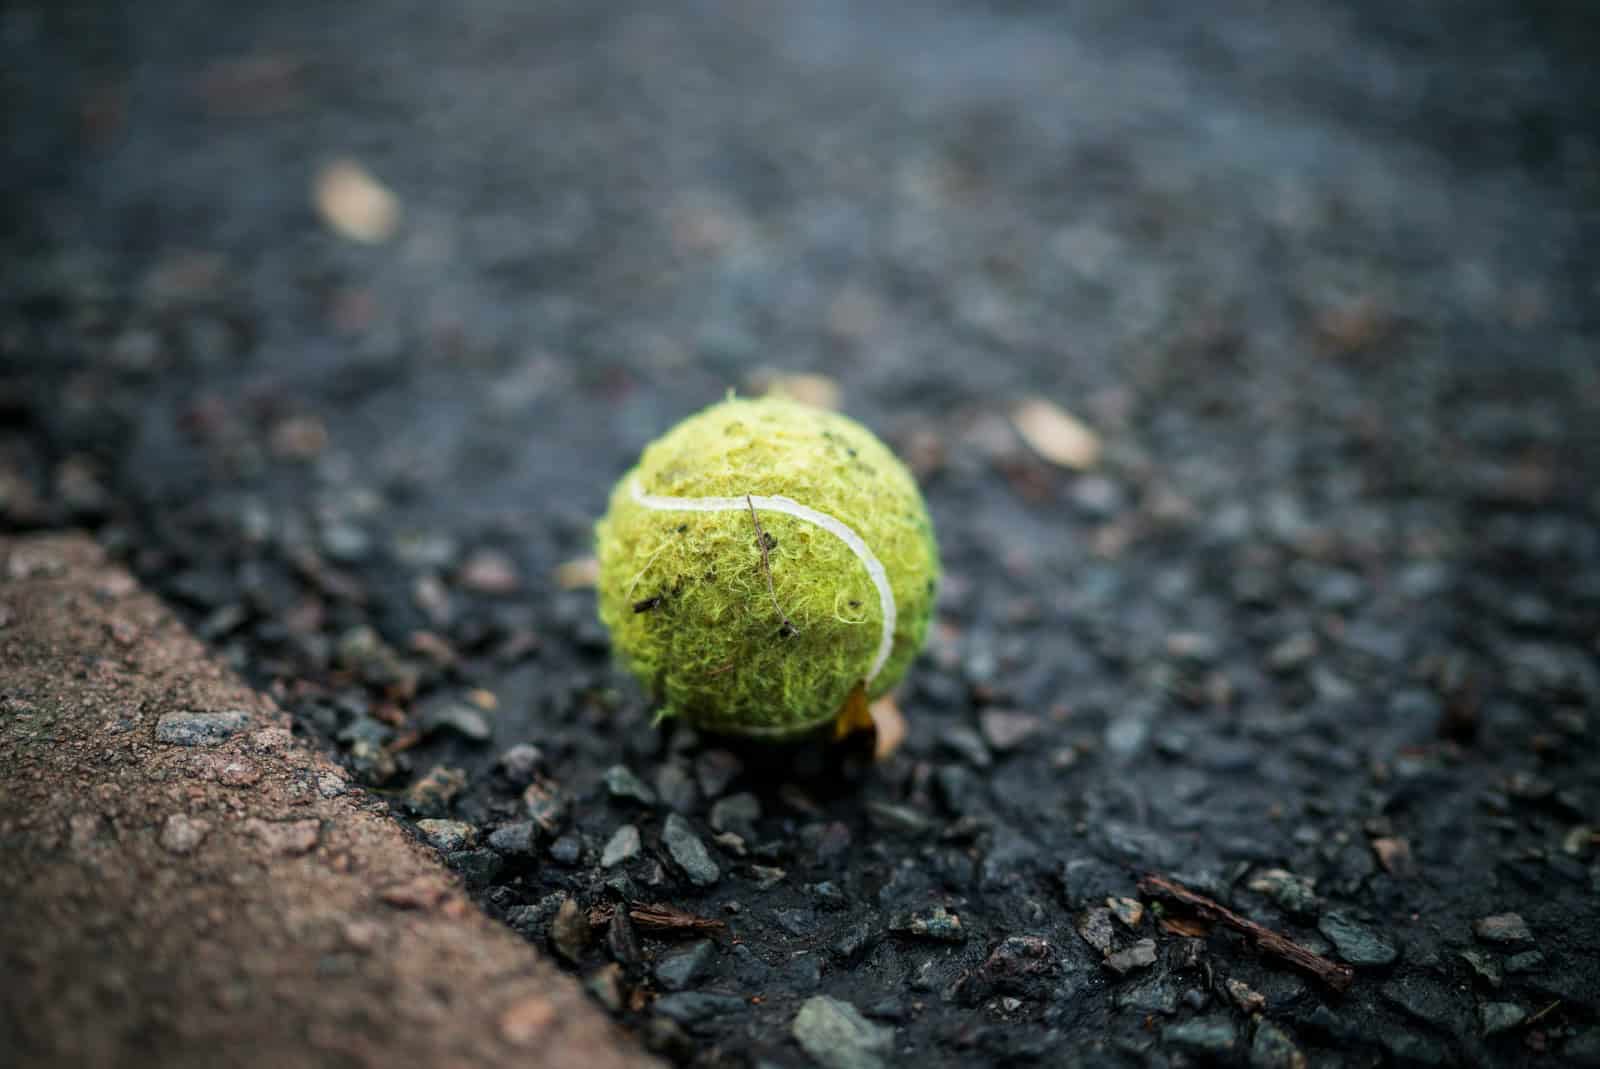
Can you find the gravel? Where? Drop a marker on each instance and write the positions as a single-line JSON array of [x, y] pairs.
[[1357, 943], [199, 729], [622, 847], [836, 1036], [688, 852]]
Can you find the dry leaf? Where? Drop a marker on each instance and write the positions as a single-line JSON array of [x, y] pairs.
[[1188, 927], [580, 573], [891, 725], [1056, 435], [355, 204], [1395, 856], [855, 716], [818, 391]]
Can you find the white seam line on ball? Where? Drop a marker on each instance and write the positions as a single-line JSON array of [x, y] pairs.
[[790, 507]]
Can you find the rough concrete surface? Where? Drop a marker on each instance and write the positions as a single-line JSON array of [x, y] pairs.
[[184, 883]]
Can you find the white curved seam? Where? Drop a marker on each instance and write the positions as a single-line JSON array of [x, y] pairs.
[[790, 507]]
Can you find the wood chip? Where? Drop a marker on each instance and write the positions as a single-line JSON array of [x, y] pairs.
[[657, 918], [1395, 856], [580, 573], [1188, 927], [354, 204], [1056, 435], [816, 390], [891, 727]]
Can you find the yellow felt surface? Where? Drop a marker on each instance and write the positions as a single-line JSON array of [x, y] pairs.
[[685, 595]]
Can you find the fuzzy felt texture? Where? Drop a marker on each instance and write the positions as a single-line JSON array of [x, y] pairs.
[[685, 592]]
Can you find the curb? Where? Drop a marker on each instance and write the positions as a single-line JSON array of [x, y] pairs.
[[186, 883]]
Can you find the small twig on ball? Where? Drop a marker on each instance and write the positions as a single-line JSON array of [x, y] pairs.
[[766, 567]]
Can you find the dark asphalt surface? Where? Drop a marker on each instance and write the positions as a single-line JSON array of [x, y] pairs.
[[1317, 637]]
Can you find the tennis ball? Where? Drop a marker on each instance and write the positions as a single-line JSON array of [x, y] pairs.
[[764, 563]]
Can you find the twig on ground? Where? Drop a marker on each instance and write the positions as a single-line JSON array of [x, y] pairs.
[[1339, 977], [657, 918]]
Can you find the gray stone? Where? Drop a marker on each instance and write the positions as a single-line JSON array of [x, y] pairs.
[[965, 743], [1141, 955], [714, 770], [1356, 942], [801, 973], [200, 729], [545, 805], [1156, 995], [681, 968], [797, 922], [521, 763], [567, 850], [689, 853], [1272, 1048], [676, 787], [1017, 959], [518, 838], [1096, 929], [622, 783], [1293, 894], [569, 931], [738, 814], [458, 718], [1583, 1049], [477, 867], [902, 820], [1497, 1017], [696, 1007], [1487, 967], [623, 846], [938, 924], [836, 1036], [436, 789], [1208, 1037], [852, 939], [1525, 962], [1429, 1001], [1413, 1048], [534, 921], [1004, 730], [1507, 929], [448, 835], [605, 984]]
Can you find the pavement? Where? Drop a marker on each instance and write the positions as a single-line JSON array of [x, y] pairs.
[[1244, 354]]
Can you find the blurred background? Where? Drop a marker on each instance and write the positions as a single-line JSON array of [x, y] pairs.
[[1246, 354]]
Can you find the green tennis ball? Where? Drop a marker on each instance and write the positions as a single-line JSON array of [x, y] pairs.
[[762, 561]]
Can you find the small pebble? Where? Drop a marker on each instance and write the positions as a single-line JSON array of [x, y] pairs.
[[623, 846], [836, 1036], [688, 852], [199, 729], [622, 783], [1141, 955], [448, 835], [1507, 929]]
